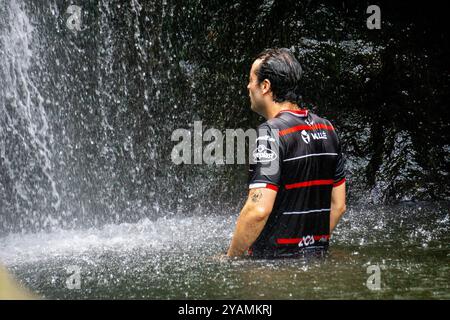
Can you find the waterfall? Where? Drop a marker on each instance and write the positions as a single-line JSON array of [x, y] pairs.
[[86, 114], [84, 127], [26, 148]]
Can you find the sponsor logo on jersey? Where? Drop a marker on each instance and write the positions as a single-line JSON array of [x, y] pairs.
[[306, 241], [305, 136], [315, 135], [319, 135], [265, 138], [262, 154]]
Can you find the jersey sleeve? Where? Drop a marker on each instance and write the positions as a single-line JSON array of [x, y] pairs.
[[266, 160], [340, 171]]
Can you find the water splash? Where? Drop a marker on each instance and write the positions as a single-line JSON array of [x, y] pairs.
[[26, 138], [197, 235]]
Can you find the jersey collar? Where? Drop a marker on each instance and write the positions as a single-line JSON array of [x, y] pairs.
[[298, 113]]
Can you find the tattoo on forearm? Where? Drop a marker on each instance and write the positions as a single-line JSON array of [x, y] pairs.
[[257, 196]]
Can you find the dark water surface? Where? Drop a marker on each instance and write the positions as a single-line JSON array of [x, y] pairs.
[[178, 258]]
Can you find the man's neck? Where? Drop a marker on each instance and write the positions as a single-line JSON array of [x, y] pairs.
[[277, 107]]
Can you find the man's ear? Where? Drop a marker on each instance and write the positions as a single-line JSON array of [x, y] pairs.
[[265, 86]]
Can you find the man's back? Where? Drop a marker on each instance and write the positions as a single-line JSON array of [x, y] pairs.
[[299, 155], [297, 189]]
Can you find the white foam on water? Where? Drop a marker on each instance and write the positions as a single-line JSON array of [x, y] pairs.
[[188, 233], [366, 226]]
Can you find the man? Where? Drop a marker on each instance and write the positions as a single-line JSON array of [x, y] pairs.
[[297, 181]]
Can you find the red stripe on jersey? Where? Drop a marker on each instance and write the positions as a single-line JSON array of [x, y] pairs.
[[288, 240], [308, 184], [271, 186], [305, 127], [336, 184]]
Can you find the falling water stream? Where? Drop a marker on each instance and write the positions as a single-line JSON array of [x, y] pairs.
[[86, 181]]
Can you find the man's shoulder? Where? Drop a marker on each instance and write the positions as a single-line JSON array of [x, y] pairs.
[[272, 124], [267, 125], [285, 121], [318, 119]]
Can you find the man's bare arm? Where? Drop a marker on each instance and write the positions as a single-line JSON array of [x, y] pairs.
[[337, 205], [252, 220]]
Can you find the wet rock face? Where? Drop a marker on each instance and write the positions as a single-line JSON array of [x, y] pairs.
[[86, 114]]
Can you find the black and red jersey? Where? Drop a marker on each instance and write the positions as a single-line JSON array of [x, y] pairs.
[[298, 154]]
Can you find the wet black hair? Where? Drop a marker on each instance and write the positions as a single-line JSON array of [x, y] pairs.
[[283, 70]]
